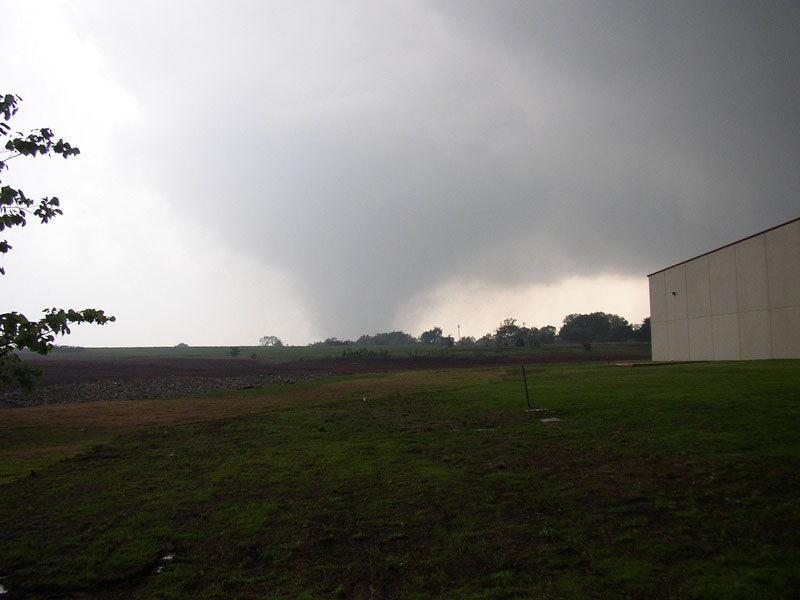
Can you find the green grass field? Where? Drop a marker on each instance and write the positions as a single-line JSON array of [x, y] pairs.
[[282, 354], [674, 481]]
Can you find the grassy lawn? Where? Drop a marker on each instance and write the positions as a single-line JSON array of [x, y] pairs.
[[675, 481]]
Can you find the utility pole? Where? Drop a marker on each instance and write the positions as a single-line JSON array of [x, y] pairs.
[[525, 379]]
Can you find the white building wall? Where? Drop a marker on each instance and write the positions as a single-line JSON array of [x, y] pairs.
[[783, 258], [701, 339], [785, 323], [751, 274], [725, 329], [739, 302], [722, 279]]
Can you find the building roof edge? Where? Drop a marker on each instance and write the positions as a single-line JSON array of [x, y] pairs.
[[721, 247]]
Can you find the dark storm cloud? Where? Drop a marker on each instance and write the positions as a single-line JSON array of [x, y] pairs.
[[680, 130], [376, 151]]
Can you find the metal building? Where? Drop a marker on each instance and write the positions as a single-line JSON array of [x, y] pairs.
[[739, 302]]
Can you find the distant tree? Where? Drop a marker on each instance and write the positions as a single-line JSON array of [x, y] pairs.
[[68, 348], [16, 331], [523, 337], [434, 337], [595, 327], [431, 337], [392, 338], [641, 333], [466, 342], [332, 341], [486, 341], [234, 351], [506, 332], [621, 332], [270, 340], [577, 328], [546, 334], [529, 336]]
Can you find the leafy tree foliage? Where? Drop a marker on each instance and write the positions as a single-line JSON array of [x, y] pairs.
[[392, 338], [434, 337], [431, 337], [525, 336], [467, 341], [641, 333], [545, 335], [332, 341], [271, 340], [506, 333], [485, 341], [16, 331], [595, 327], [510, 334]]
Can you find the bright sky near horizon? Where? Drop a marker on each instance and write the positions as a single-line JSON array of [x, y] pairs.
[[316, 169]]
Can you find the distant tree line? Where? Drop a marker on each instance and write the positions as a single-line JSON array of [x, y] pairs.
[[602, 327], [584, 328]]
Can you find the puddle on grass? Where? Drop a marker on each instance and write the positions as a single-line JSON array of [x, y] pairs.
[[538, 409], [549, 420], [163, 561]]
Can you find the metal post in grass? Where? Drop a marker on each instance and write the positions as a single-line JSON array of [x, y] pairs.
[[525, 379]]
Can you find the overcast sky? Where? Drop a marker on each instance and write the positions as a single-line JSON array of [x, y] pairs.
[[313, 169]]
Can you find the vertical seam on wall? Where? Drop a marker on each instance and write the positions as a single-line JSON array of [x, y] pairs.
[[686, 311], [738, 312], [666, 316], [769, 299], [710, 310]]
